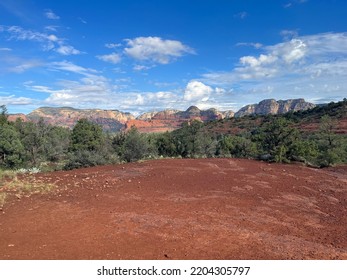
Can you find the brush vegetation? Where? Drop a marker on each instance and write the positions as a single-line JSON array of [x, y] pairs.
[[276, 138]]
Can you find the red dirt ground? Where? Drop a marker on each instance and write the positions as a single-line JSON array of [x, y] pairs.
[[182, 209]]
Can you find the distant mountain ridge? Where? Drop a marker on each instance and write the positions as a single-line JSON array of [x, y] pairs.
[[273, 107], [170, 119], [110, 120], [166, 120]]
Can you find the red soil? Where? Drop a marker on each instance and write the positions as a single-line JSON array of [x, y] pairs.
[[182, 209], [313, 126], [152, 126]]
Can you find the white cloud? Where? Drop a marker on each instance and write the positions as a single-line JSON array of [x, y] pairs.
[[261, 60], [139, 100], [289, 34], [13, 100], [86, 91], [149, 50], [254, 45], [52, 38], [291, 51], [288, 52], [92, 88], [10, 63], [24, 66], [291, 3], [278, 59], [111, 58], [196, 90], [50, 15], [138, 67], [83, 93], [67, 50], [5, 49], [300, 67], [52, 28], [48, 41], [162, 95], [326, 44], [18, 33], [156, 49], [112, 45], [71, 67]]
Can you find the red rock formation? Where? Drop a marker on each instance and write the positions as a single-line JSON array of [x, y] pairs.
[[13, 117]]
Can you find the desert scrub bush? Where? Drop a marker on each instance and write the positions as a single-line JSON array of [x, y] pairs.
[[85, 158]]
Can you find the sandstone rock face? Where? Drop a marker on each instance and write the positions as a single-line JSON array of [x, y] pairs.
[[146, 116], [167, 120], [227, 114], [168, 114], [110, 120], [271, 106], [13, 117], [170, 119]]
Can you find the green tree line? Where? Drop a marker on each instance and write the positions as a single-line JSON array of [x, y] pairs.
[[276, 138]]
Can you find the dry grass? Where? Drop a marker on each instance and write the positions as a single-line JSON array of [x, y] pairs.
[[23, 186], [6, 174], [3, 196]]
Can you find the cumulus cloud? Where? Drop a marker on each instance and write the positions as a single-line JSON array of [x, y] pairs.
[[88, 88], [288, 52], [82, 93], [136, 100], [277, 60], [156, 49], [50, 15], [196, 90], [48, 41], [291, 51], [261, 60], [150, 51], [113, 58], [311, 66]]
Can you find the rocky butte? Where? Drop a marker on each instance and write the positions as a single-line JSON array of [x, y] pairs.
[[166, 120], [273, 107], [110, 120]]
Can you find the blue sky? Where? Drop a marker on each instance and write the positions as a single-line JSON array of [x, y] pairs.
[[139, 56]]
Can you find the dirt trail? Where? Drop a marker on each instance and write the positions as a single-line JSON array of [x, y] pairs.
[[182, 209]]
